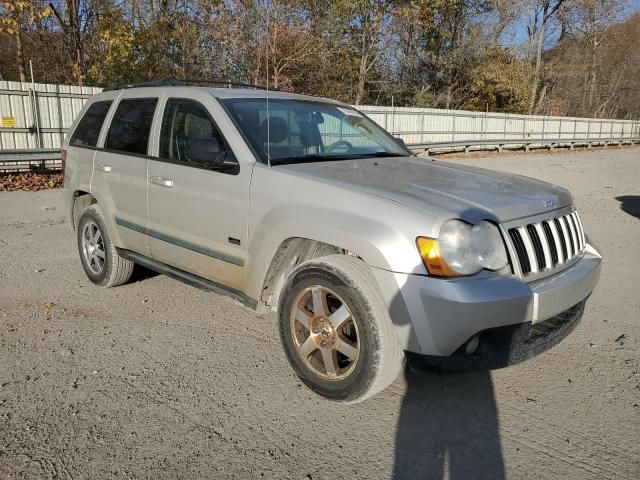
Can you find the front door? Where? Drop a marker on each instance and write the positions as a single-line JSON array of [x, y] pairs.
[[197, 215]]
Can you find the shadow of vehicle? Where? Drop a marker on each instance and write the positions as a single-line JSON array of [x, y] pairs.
[[448, 427], [630, 204], [141, 273]]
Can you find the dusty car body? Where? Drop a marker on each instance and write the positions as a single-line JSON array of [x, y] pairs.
[[304, 206]]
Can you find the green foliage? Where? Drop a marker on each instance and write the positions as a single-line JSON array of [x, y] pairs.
[[499, 83], [114, 42]]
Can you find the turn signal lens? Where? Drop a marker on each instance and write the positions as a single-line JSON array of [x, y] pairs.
[[430, 253]]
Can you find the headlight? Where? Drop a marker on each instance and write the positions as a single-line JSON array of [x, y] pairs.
[[463, 249]]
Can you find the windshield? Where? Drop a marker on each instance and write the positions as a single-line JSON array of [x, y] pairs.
[[302, 130]]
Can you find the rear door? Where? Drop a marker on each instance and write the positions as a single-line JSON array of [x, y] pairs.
[[120, 168], [197, 215]]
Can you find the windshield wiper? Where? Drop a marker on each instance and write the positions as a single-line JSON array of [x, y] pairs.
[[309, 158], [384, 154], [320, 157]]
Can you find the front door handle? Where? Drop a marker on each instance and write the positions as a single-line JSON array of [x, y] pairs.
[[162, 181], [103, 168]]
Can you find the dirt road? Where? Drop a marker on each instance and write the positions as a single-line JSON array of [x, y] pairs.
[[157, 379]]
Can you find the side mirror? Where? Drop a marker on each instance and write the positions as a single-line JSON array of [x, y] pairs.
[[207, 152], [400, 141]]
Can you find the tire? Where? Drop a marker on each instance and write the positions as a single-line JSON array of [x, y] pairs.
[[93, 243], [360, 357]]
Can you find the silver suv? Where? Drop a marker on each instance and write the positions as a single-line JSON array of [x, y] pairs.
[[306, 207]]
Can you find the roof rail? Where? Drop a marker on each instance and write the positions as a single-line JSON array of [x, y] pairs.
[[175, 82]]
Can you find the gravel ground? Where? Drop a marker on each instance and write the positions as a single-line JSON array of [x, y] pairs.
[[157, 379]]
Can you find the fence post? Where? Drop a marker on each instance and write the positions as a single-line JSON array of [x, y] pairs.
[[560, 130], [504, 131], [60, 118], [453, 128], [600, 134], [482, 126], [36, 110], [543, 124]]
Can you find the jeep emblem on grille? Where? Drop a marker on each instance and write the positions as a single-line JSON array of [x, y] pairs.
[[549, 203]]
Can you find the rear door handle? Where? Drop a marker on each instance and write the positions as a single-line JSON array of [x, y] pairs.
[[103, 168], [163, 182]]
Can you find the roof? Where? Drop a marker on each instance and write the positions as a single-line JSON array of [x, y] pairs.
[[229, 89]]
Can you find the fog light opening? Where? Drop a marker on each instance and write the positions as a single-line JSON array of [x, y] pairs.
[[472, 345]]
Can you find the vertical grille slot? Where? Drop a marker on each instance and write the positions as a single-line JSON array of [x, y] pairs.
[[537, 246], [552, 244], [563, 241], [577, 230], [582, 235], [569, 237], [521, 251]]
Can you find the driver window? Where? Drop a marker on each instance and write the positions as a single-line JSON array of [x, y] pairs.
[[186, 121]]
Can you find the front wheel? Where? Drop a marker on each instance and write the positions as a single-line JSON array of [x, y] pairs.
[[336, 330]]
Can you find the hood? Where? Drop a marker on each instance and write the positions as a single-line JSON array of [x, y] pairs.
[[442, 188]]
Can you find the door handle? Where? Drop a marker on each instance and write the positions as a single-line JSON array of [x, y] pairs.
[[103, 168], [163, 182]]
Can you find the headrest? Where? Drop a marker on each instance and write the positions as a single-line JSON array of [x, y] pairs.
[[278, 129], [197, 127]]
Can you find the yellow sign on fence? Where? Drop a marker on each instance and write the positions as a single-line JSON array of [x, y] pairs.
[[8, 122]]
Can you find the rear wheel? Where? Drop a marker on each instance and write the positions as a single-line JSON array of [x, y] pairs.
[[336, 330], [100, 259]]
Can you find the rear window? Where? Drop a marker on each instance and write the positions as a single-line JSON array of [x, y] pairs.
[[88, 130], [131, 125]]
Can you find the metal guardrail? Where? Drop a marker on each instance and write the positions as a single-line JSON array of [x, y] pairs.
[[526, 144], [30, 160], [49, 159]]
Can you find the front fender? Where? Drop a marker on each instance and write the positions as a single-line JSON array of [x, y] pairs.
[[378, 230]]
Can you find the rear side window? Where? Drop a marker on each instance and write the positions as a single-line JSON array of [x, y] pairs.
[[131, 125], [88, 130]]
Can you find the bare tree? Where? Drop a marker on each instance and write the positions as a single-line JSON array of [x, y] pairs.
[[542, 12]]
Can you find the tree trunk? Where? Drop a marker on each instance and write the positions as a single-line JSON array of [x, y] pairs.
[[364, 59], [20, 57], [362, 78], [74, 25], [591, 89], [536, 68]]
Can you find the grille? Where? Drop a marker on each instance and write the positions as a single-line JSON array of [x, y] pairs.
[[547, 245]]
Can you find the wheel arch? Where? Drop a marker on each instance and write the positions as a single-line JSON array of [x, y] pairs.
[[80, 200], [290, 253]]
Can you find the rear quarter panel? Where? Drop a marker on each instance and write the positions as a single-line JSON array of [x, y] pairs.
[[80, 160]]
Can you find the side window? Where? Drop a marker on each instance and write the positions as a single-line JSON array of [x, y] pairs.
[[131, 125], [190, 135], [88, 130]]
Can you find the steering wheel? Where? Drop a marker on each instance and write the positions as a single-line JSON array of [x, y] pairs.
[[338, 144]]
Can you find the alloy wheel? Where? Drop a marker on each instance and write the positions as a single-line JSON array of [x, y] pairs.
[[325, 333], [93, 248]]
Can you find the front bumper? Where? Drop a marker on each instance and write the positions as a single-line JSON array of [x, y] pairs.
[[435, 316]]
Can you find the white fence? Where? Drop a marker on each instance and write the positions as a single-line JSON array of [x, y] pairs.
[[38, 118], [430, 125]]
